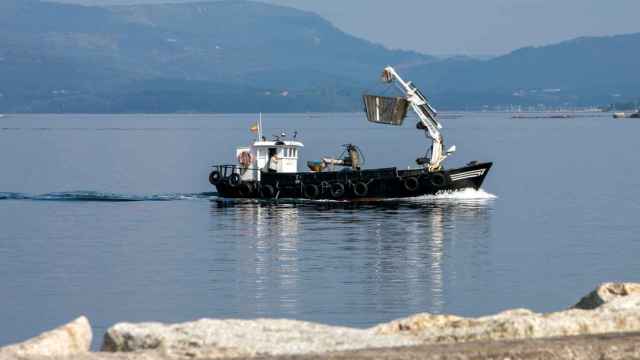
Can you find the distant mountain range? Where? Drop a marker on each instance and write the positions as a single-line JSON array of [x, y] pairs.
[[581, 72], [243, 56]]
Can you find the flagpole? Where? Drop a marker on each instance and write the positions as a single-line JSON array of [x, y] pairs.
[[260, 127]]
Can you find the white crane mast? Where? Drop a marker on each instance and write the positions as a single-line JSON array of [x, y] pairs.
[[427, 115]]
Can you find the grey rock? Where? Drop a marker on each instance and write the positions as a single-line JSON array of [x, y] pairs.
[[618, 311], [621, 314], [604, 324], [209, 339], [70, 339], [605, 293]]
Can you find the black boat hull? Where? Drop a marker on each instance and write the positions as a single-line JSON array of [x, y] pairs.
[[355, 185]]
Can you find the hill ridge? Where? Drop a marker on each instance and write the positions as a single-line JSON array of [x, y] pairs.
[[236, 56]]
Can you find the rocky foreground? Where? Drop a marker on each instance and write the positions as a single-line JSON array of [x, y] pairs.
[[605, 324]]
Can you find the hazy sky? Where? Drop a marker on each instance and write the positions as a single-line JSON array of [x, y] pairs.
[[466, 26]]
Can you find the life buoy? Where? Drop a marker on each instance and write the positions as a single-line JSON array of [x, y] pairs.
[[234, 180], [438, 180], [245, 159], [410, 184], [267, 191], [337, 190], [245, 189], [360, 189], [215, 177], [311, 191]]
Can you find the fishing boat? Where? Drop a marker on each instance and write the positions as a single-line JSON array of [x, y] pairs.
[[268, 168], [621, 115]]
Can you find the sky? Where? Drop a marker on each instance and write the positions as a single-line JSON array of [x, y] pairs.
[[471, 27]]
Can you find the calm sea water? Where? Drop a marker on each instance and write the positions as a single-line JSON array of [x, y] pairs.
[[558, 214]]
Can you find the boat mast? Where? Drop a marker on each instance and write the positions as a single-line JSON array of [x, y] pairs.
[[426, 113]]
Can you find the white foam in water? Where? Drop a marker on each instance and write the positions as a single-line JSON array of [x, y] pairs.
[[465, 194], [461, 196]]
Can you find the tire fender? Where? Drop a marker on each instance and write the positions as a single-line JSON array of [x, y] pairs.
[[337, 190], [360, 189], [311, 191], [411, 184], [267, 191], [245, 189], [234, 180], [438, 180], [215, 177]]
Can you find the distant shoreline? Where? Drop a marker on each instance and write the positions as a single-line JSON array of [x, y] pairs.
[[446, 112]]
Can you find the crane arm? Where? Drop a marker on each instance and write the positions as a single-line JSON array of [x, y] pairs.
[[426, 113]]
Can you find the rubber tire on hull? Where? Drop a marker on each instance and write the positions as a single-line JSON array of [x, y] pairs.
[[360, 189], [337, 190], [234, 180], [311, 191], [267, 191], [245, 189], [438, 180], [411, 184], [215, 177]]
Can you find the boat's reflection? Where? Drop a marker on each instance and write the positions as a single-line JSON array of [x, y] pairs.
[[391, 254]]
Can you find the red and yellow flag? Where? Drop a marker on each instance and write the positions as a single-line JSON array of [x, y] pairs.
[[254, 128]]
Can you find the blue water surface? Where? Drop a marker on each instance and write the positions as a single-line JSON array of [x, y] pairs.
[[111, 216]]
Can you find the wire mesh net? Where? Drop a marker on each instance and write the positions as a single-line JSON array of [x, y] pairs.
[[385, 109]]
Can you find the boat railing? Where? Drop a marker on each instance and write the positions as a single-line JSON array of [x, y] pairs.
[[227, 170]]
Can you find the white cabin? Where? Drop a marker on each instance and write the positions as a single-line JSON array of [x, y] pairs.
[[279, 156]]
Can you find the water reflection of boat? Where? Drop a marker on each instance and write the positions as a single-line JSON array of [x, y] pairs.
[[291, 254]]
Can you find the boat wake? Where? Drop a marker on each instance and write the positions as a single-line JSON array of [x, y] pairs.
[[466, 196], [463, 195], [106, 197]]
